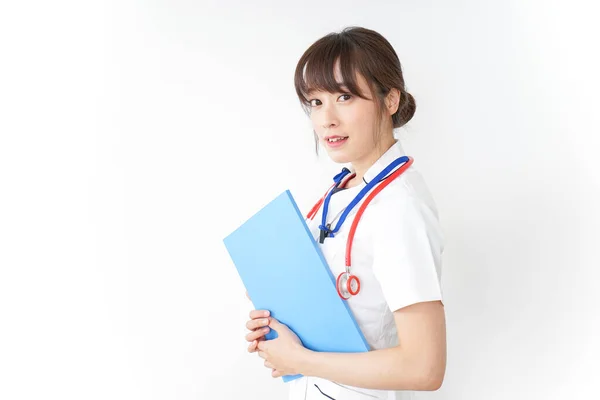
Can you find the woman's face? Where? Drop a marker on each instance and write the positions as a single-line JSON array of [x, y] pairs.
[[345, 123]]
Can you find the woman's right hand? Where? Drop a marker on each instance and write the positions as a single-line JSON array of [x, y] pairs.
[[258, 327]]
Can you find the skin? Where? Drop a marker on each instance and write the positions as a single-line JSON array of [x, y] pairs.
[[344, 114], [419, 361]]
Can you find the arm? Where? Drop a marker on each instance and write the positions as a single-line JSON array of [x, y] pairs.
[[406, 262], [417, 363]]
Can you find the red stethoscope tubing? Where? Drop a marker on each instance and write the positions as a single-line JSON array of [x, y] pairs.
[[359, 213], [362, 208]]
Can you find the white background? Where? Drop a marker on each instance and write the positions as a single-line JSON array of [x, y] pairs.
[[135, 135]]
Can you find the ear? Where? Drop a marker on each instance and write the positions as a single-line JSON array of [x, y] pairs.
[[392, 100]]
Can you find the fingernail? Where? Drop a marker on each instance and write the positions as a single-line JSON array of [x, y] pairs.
[[266, 313], [265, 321]]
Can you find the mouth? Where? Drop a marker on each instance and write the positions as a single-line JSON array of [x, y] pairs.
[[335, 141]]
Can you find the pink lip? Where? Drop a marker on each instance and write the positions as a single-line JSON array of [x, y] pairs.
[[335, 144]]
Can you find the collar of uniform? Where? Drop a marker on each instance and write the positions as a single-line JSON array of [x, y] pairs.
[[394, 152]]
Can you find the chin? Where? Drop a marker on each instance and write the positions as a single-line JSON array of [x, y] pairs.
[[339, 157]]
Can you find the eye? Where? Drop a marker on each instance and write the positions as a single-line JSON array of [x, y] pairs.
[[349, 96]]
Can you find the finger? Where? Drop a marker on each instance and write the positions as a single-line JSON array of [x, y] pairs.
[[262, 354], [276, 325], [262, 345], [259, 314], [253, 347], [254, 324], [257, 334], [276, 374], [273, 323], [269, 365]]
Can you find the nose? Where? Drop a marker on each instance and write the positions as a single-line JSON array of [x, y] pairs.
[[329, 125], [328, 117]]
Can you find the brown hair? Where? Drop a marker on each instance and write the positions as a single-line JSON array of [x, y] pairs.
[[359, 50]]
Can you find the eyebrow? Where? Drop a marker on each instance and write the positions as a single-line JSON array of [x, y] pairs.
[[342, 87]]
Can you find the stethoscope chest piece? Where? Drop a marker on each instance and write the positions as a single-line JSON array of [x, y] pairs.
[[347, 285]]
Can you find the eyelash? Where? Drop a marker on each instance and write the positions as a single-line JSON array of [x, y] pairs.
[[345, 94]]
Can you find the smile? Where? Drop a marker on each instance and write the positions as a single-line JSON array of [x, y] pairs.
[[336, 141]]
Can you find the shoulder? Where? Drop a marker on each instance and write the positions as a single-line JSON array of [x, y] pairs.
[[405, 205], [407, 193]]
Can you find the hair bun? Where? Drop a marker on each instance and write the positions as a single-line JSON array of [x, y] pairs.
[[406, 110]]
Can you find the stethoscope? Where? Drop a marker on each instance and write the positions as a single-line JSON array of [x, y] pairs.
[[347, 284]]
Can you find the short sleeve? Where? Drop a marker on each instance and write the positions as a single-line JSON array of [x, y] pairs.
[[407, 253]]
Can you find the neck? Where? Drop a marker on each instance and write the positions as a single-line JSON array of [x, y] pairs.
[[361, 166]]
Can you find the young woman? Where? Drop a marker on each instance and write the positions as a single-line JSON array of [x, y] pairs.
[[352, 87]]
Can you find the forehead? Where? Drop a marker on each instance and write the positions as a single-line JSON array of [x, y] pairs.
[[359, 79]]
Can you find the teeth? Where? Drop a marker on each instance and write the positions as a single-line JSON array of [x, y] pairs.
[[336, 139]]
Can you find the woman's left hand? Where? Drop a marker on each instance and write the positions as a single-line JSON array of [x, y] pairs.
[[283, 354]]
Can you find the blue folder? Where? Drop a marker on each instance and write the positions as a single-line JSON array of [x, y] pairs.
[[284, 271]]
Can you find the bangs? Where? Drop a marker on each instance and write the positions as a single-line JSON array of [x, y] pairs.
[[316, 68]]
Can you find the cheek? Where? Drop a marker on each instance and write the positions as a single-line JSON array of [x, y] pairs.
[[360, 122], [316, 122]]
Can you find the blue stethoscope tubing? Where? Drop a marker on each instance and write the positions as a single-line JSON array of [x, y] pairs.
[[347, 284]]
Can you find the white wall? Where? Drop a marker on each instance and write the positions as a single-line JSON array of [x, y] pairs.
[[128, 129]]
